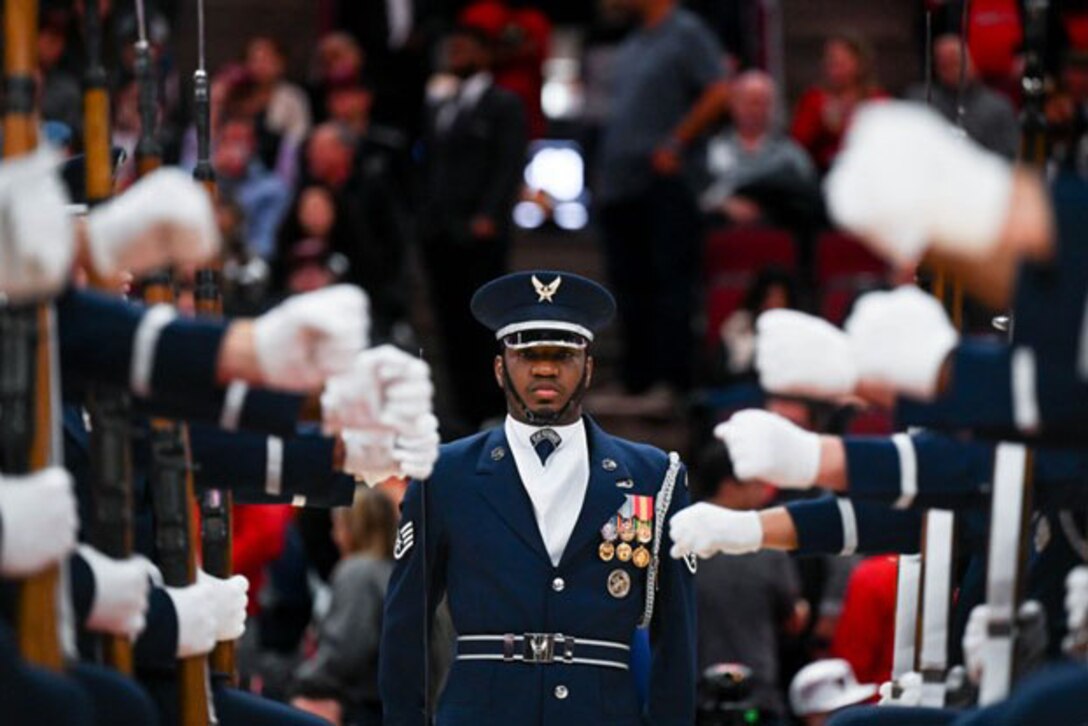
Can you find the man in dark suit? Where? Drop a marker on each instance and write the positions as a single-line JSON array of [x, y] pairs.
[[473, 159], [548, 538]]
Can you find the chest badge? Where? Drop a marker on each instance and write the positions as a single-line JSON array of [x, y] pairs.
[[498, 453], [609, 464], [619, 584]]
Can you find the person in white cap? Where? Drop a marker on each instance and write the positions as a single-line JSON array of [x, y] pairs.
[[821, 688]]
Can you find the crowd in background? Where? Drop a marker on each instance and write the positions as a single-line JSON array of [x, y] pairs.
[[397, 160]]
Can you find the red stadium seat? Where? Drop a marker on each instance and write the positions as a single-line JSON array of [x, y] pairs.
[[835, 301], [733, 253], [838, 256], [721, 301]]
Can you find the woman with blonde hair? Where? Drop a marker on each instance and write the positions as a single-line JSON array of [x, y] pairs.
[[340, 681]]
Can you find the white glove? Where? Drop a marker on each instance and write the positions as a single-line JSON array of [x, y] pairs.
[[385, 388], [906, 179], [974, 642], [229, 603], [803, 355], [165, 217], [417, 452], [1076, 598], [37, 242], [901, 338], [707, 529], [39, 519], [121, 589], [766, 446], [311, 337], [198, 625], [368, 455], [910, 690]]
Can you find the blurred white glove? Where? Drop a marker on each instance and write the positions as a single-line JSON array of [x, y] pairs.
[[974, 642], [368, 455], [310, 337], [384, 388], [37, 241], [906, 179], [165, 217], [707, 529], [198, 625], [229, 602], [901, 338], [417, 452], [910, 690], [1076, 598], [39, 519], [766, 446], [803, 355], [121, 589]]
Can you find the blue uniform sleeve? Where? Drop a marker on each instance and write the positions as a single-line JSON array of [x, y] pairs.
[[81, 582], [97, 335], [239, 461], [840, 526], [672, 633], [923, 470], [157, 645], [262, 411], [416, 578]]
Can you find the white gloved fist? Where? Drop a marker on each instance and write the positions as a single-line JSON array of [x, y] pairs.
[[974, 642], [37, 241], [707, 529], [310, 337], [368, 455], [198, 625], [901, 339], [906, 179], [768, 447], [910, 690], [417, 452], [121, 589], [1076, 598], [384, 388], [803, 355], [164, 218], [39, 518], [229, 603]]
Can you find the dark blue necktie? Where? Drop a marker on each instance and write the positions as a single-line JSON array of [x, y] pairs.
[[544, 441]]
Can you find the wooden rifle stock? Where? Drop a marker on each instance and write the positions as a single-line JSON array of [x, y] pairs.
[[36, 610], [174, 503]]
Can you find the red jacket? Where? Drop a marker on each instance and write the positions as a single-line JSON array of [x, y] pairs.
[[865, 634]]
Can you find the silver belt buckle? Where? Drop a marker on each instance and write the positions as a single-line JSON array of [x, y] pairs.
[[539, 648]]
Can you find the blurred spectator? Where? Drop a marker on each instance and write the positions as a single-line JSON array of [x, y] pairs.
[[258, 536], [521, 36], [600, 50], [670, 87], [281, 109], [242, 176], [821, 688], [311, 228], [823, 114], [1067, 114], [350, 104], [757, 174], [337, 62], [125, 132], [395, 37], [366, 236], [773, 288], [245, 275], [745, 602], [865, 634], [340, 681], [61, 93], [473, 157], [988, 116]]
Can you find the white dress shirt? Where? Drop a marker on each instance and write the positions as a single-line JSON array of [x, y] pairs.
[[558, 488]]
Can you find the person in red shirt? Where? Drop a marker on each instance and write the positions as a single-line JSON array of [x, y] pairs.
[[824, 111], [259, 532], [865, 634]]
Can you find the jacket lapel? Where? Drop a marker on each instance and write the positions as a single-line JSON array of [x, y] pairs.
[[502, 488], [603, 497]]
